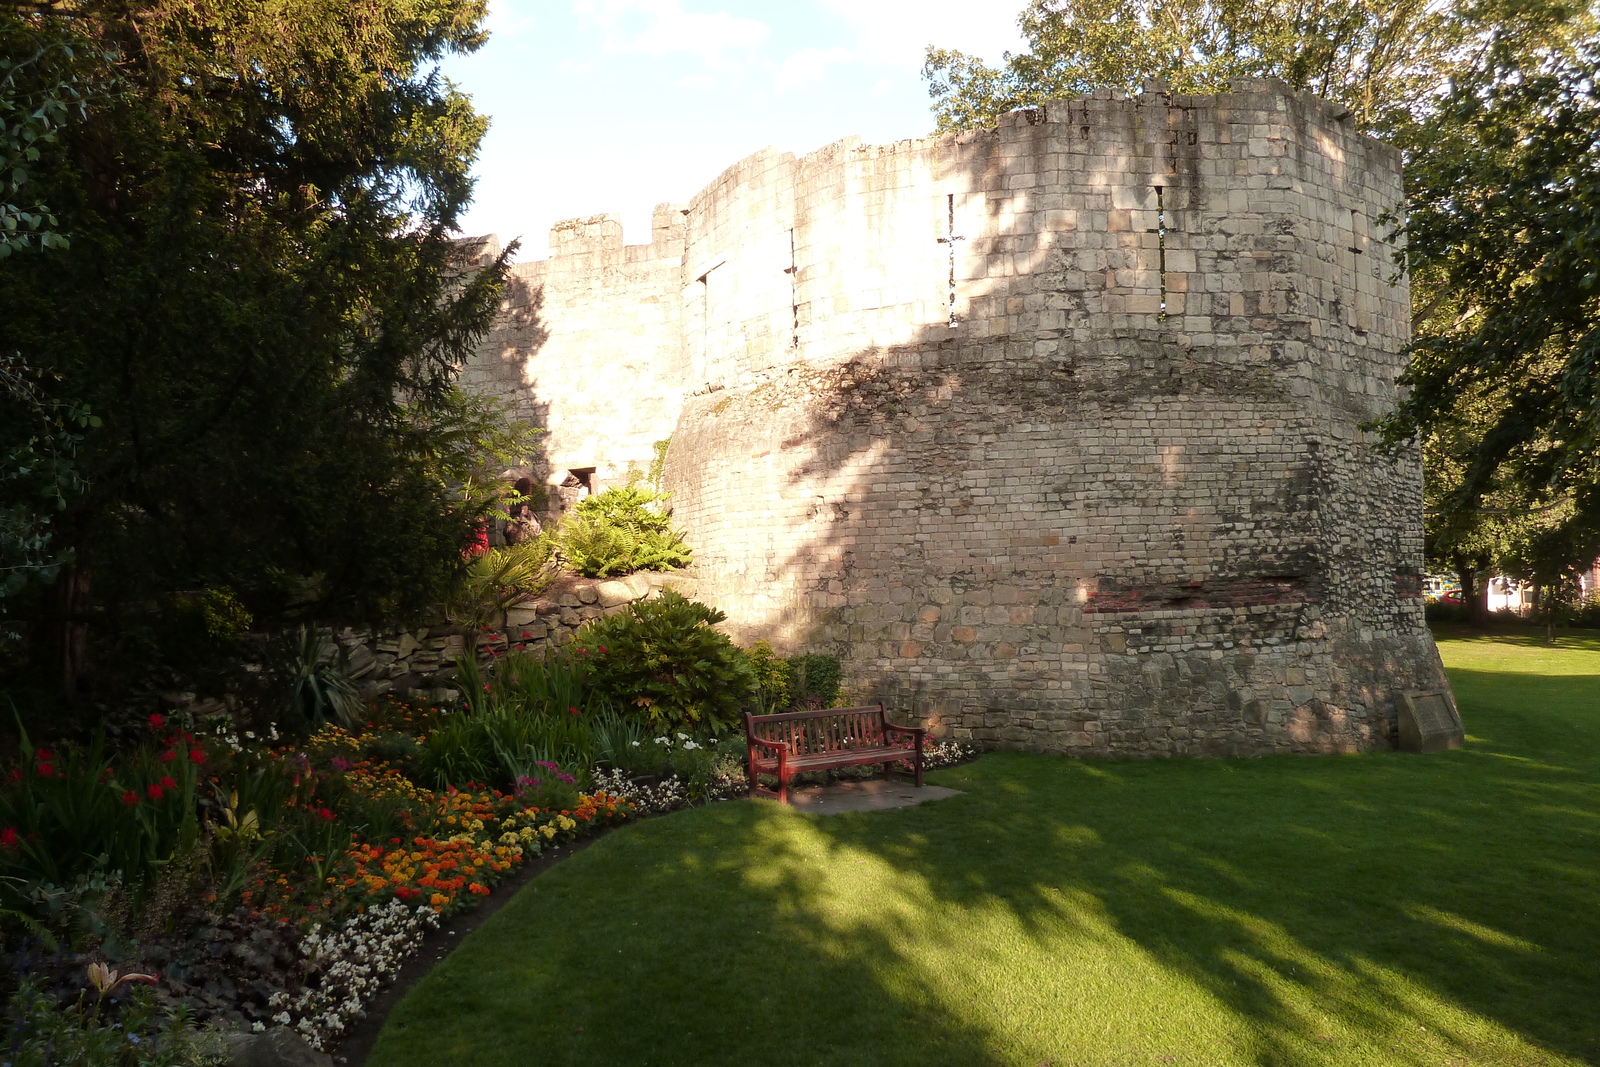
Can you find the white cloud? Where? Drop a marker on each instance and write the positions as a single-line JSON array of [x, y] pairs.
[[808, 65], [895, 32], [661, 27]]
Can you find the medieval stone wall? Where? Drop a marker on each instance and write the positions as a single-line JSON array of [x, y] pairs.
[[1053, 431], [589, 346]]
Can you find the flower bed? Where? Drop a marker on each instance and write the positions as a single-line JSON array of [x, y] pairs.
[[283, 884]]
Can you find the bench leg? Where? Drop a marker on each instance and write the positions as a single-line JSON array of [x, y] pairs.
[[919, 766]]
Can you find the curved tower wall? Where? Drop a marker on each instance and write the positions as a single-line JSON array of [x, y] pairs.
[[1053, 431]]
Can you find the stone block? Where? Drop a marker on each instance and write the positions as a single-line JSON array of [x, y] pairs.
[[614, 594], [1428, 721]]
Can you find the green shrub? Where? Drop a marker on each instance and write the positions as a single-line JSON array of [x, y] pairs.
[[773, 679], [40, 1032], [491, 582], [663, 660], [816, 679], [619, 531]]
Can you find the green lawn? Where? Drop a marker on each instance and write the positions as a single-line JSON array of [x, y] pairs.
[[1356, 910]]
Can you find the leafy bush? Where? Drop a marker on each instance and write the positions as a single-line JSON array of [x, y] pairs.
[[663, 659], [491, 582], [773, 679], [42, 1033], [816, 679], [619, 531]]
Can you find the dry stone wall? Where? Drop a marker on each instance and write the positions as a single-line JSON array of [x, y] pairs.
[[418, 663], [1053, 432]]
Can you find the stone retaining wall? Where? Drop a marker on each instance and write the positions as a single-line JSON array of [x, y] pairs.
[[419, 662]]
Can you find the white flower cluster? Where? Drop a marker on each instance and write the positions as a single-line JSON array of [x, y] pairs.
[[669, 793], [936, 754], [684, 741], [354, 961]]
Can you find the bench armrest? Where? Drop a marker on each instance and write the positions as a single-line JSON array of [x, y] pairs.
[[917, 731], [776, 746]]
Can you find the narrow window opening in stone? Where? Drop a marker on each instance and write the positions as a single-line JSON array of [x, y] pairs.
[[1161, 247], [949, 241], [793, 271], [1358, 233]]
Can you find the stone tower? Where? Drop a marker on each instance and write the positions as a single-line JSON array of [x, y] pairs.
[[1052, 431]]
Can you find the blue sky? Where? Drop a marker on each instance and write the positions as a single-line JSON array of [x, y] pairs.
[[618, 105]]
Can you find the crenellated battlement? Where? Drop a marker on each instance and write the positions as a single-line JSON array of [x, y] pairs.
[[1052, 430]]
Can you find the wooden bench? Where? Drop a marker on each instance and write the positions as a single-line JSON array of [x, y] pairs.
[[791, 742]]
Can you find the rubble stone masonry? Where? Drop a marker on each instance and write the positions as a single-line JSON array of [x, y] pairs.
[[1051, 431]]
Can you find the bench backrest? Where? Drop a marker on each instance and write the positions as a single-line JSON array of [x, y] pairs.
[[810, 733]]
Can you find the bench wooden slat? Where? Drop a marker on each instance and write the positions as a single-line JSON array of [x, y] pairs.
[[791, 742]]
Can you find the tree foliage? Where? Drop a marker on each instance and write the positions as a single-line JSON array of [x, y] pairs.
[[1504, 382], [262, 299], [1380, 58]]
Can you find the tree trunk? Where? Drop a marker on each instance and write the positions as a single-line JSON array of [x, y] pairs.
[[1474, 599], [68, 633]]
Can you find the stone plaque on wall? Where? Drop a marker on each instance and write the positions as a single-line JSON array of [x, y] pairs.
[[1429, 721]]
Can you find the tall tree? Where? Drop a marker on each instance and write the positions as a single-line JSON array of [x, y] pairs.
[[1380, 58], [1504, 226], [262, 300]]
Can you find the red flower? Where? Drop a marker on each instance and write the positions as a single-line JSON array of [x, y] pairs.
[[168, 783], [168, 756], [574, 711], [325, 814], [8, 837], [197, 755], [157, 722], [153, 792], [43, 755], [602, 648], [16, 774], [130, 798], [46, 770]]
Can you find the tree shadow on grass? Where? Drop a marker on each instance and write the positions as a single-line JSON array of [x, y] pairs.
[[1381, 909]]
